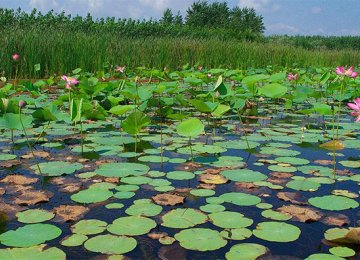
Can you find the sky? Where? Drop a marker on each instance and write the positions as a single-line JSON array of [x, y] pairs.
[[291, 17]]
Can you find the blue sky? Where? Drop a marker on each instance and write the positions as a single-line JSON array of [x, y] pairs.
[[292, 17]]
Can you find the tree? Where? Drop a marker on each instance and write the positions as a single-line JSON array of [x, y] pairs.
[[168, 17]]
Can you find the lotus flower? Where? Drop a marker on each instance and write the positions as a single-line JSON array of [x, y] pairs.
[[120, 69], [15, 57], [69, 81], [341, 71], [200, 67], [356, 109], [209, 75], [22, 103], [292, 76]]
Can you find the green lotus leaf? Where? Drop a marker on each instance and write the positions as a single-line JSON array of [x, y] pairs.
[[91, 196], [229, 219], [180, 175], [277, 231], [192, 127], [122, 169], [240, 199], [332, 202], [31, 253], [342, 251], [183, 218], [200, 239], [131, 226], [56, 168], [31, 216], [89, 227], [74, 240], [109, 244], [202, 192], [323, 257], [244, 175], [30, 235], [144, 209], [236, 233], [246, 251]]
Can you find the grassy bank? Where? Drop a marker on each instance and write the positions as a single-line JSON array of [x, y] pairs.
[[61, 51]]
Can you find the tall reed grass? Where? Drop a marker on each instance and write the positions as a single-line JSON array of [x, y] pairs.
[[60, 51]]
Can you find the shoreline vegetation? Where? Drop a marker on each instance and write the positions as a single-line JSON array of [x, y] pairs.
[[234, 39]]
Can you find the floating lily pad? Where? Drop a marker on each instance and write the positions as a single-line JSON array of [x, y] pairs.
[[136, 180], [212, 208], [183, 218], [109, 244], [229, 219], [246, 251], [274, 215], [122, 169], [114, 206], [332, 202], [292, 160], [74, 240], [124, 194], [304, 185], [236, 233], [6, 156], [125, 187], [323, 257], [202, 192], [30, 235], [89, 227], [244, 175], [350, 164], [144, 209], [153, 159], [240, 199], [342, 251], [91, 196], [180, 175], [200, 239], [30, 253], [131, 226], [56, 168], [34, 216], [277, 231]]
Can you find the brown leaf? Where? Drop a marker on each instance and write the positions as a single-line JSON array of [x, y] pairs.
[[336, 219], [324, 162], [277, 181], [41, 154], [66, 213], [157, 235], [293, 197], [333, 145], [206, 186], [33, 197], [302, 214], [69, 185], [212, 179], [18, 180], [9, 209], [215, 170], [9, 164], [281, 175], [168, 199], [2, 191], [12, 189], [188, 166], [345, 172], [112, 180], [173, 252]]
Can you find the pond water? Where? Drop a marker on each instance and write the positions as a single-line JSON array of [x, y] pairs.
[[284, 186]]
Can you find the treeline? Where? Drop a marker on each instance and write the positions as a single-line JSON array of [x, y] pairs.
[[202, 20]]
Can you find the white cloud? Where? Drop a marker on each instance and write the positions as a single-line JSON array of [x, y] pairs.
[[260, 5], [281, 28], [316, 10], [43, 4]]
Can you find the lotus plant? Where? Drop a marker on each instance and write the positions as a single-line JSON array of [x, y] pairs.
[[69, 81], [356, 109], [120, 69], [292, 77], [341, 71]]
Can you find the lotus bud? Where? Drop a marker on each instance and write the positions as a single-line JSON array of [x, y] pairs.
[[22, 103]]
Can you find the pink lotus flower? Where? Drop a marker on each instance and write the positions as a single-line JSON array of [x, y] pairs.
[[15, 57], [69, 81], [209, 75], [356, 108], [292, 76], [120, 69], [200, 67], [341, 71]]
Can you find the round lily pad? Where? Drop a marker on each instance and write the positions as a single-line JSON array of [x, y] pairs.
[[30, 235], [246, 251], [131, 226], [277, 231], [144, 209], [114, 206], [236, 233], [212, 208], [180, 175], [304, 185], [332, 202], [342, 251], [136, 180], [31, 216], [214, 200], [183, 218], [200, 239], [30, 253], [124, 194], [56, 168], [125, 187], [240, 199], [109, 244], [229, 219], [274, 215], [153, 159], [6, 156], [74, 240], [323, 257], [244, 175], [89, 227], [91, 196], [202, 192], [292, 160], [122, 169]]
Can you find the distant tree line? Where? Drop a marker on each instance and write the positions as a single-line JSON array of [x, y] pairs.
[[202, 20]]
